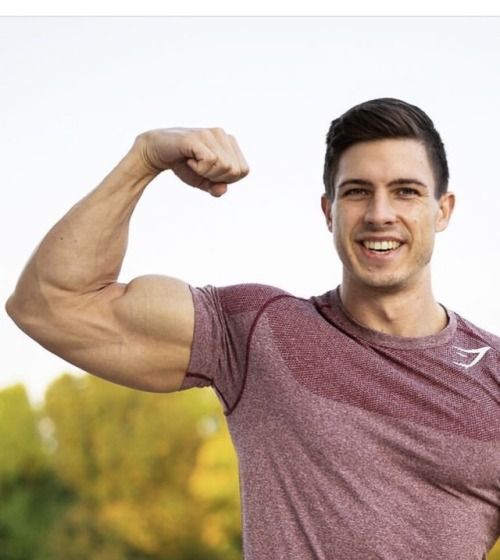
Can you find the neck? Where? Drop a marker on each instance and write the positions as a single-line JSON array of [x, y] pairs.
[[411, 311]]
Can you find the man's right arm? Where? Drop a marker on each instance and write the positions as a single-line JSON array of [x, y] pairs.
[[68, 298]]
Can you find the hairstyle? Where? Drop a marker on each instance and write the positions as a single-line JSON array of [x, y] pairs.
[[379, 119]]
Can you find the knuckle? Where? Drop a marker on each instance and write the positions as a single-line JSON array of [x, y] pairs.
[[218, 131], [211, 158], [187, 140], [203, 135], [198, 133]]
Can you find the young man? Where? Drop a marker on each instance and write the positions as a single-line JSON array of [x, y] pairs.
[[366, 420]]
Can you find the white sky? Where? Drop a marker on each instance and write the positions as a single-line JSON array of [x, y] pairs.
[[76, 91], [251, 7]]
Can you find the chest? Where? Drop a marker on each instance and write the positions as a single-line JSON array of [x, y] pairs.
[[345, 406]]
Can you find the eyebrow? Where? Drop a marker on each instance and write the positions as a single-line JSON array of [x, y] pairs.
[[365, 183]]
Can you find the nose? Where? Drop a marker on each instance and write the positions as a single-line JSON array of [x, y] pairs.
[[380, 211]]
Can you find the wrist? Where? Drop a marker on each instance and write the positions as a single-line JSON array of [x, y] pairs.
[[136, 162]]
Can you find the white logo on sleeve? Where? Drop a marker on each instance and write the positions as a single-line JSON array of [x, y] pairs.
[[477, 354]]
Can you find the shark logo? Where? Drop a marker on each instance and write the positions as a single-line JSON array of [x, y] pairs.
[[476, 353]]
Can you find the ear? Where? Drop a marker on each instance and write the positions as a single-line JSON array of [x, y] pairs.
[[326, 206], [446, 204]]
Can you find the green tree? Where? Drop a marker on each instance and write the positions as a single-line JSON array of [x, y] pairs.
[[30, 496], [129, 456], [22, 450], [214, 487]]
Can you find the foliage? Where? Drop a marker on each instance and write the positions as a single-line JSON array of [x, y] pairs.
[[19, 436], [31, 497], [136, 462]]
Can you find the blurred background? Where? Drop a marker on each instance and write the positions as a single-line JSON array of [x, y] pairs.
[[92, 470], [108, 473]]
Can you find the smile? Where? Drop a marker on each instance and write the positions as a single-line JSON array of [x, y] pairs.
[[381, 246]]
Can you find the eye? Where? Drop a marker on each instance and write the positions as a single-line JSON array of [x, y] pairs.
[[407, 192], [355, 193]]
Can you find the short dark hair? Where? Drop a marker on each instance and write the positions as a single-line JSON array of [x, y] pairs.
[[378, 119]]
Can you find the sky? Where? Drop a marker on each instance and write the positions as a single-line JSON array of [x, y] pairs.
[[75, 92]]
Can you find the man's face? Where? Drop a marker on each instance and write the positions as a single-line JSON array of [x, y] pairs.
[[385, 215]]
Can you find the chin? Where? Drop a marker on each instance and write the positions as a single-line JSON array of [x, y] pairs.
[[380, 283]]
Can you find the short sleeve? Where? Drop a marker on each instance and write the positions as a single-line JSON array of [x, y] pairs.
[[224, 319]]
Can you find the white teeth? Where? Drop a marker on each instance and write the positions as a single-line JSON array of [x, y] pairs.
[[381, 245]]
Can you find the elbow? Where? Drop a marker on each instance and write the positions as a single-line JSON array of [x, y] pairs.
[[40, 318], [13, 309], [10, 307], [27, 319], [24, 314]]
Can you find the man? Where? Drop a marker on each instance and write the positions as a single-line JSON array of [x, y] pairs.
[[366, 420]]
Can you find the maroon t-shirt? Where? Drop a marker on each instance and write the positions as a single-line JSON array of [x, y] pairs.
[[352, 443]]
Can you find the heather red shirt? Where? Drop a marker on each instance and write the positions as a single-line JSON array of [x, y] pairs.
[[352, 443]]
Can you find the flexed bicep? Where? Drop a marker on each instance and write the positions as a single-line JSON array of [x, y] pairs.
[[137, 334]]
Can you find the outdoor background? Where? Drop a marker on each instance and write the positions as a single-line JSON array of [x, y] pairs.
[[91, 470]]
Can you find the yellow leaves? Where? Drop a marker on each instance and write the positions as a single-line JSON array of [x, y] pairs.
[[215, 474], [213, 532], [153, 474], [213, 484], [20, 441], [126, 522]]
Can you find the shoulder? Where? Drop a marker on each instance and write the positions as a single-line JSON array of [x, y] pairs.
[[241, 298], [481, 336]]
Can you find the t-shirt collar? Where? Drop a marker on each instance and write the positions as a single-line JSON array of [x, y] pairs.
[[332, 309]]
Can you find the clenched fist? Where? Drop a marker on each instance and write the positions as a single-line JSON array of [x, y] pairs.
[[205, 158]]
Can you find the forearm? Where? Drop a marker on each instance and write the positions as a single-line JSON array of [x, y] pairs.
[[84, 251]]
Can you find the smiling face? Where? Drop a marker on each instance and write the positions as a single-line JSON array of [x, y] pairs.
[[385, 215]]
